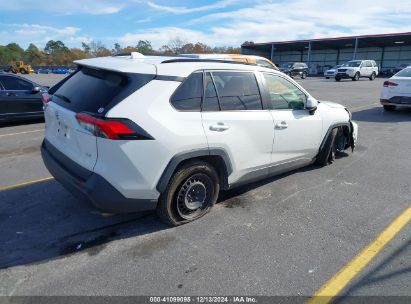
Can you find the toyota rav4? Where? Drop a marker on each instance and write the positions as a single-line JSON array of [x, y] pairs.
[[136, 133]]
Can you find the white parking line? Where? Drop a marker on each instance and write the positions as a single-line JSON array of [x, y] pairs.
[[365, 106]]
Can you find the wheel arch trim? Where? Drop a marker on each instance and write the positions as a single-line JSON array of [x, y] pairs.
[[177, 159], [333, 126]]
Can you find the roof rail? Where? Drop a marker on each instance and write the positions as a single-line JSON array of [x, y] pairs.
[[207, 60], [122, 54]]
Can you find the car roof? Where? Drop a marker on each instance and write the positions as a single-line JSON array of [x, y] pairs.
[[162, 65]]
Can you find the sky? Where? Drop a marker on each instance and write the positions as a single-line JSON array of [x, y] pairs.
[[216, 23]]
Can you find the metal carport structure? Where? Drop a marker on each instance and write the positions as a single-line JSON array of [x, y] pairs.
[[388, 50]]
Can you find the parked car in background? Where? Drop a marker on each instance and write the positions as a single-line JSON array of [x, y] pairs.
[[20, 98], [295, 69], [61, 71], [355, 69], [168, 133], [397, 90], [257, 60], [43, 71], [401, 67], [331, 72]]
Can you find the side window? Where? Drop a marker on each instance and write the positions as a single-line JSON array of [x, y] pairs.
[[14, 83], [187, 97], [264, 63], [210, 102], [284, 94], [237, 91]]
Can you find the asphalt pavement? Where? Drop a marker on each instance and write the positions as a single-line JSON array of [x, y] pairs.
[[284, 236]]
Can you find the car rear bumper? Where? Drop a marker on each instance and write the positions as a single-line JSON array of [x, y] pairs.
[[88, 185], [404, 101]]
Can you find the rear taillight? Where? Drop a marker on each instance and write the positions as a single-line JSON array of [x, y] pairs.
[[110, 128], [390, 84], [45, 98]]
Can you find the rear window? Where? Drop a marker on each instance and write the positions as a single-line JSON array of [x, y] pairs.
[[188, 95], [96, 91], [404, 73]]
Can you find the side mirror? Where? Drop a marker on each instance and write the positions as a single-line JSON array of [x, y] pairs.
[[311, 105], [35, 90]]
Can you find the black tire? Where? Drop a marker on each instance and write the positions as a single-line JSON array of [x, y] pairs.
[[327, 155], [389, 108], [356, 77], [327, 77], [372, 77], [304, 75], [337, 79], [175, 205]]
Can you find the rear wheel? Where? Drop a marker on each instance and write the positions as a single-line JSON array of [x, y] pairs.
[[327, 153], [372, 77], [356, 77], [190, 194], [389, 108]]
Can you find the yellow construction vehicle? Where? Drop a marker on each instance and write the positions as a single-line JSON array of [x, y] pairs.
[[20, 67]]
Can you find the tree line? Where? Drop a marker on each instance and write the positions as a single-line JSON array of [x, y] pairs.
[[56, 53]]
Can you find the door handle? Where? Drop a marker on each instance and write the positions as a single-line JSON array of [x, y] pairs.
[[219, 127], [281, 125]]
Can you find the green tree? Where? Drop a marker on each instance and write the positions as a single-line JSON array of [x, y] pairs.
[[53, 47], [33, 55], [144, 47], [117, 48], [85, 47]]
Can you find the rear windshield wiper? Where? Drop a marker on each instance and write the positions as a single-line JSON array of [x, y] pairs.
[[66, 99]]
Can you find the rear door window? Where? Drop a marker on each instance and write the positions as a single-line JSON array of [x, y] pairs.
[[237, 90], [95, 90], [210, 102]]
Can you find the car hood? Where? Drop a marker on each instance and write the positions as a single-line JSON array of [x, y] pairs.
[[333, 104]]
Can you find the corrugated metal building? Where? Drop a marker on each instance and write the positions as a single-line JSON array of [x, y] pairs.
[[388, 50]]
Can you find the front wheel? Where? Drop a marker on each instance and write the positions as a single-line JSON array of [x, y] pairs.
[[190, 194], [304, 75], [356, 77], [337, 79]]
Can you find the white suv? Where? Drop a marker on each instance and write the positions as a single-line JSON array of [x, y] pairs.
[[133, 134], [357, 68]]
